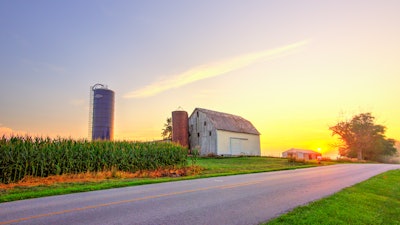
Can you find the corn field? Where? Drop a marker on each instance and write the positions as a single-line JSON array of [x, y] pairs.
[[41, 157]]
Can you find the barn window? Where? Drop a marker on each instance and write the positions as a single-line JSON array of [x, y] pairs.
[[198, 134], [197, 113], [205, 123], [210, 133]]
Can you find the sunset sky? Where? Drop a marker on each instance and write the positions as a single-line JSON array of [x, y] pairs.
[[293, 68]]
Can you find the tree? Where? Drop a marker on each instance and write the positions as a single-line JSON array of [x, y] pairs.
[[362, 138], [167, 130]]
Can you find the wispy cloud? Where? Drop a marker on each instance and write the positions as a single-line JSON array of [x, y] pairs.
[[212, 70], [6, 131]]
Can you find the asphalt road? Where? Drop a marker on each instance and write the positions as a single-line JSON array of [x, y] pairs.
[[241, 199]]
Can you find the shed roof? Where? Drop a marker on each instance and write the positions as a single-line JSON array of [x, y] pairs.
[[228, 122], [293, 150]]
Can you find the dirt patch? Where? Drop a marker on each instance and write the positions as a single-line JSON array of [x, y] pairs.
[[30, 181]]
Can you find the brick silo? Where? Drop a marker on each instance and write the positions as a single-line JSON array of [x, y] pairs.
[[180, 128]]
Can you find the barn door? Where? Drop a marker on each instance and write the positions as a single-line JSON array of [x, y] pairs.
[[236, 146]]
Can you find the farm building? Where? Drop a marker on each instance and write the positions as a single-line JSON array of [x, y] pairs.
[[219, 133], [301, 154]]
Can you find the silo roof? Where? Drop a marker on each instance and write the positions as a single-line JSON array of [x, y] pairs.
[[229, 122]]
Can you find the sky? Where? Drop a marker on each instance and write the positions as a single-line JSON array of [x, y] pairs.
[[292, 68]]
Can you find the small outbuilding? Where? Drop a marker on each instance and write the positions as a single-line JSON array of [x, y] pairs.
[[301, 154], [217, 133]]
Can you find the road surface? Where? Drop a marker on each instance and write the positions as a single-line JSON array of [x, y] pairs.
[[241, 199]]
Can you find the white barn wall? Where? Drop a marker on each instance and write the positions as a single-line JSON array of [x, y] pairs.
[[226, 141]]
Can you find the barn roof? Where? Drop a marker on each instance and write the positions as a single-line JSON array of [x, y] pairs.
[[293, 150], [229, 122]]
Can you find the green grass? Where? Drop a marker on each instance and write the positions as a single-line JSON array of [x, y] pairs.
[[242, 165], [20, 193], [375, 201], [212, 167]]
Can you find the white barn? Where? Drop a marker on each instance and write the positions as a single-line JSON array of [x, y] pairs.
[[219, 133]]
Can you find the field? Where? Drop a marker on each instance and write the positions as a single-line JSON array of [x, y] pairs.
[[375, 201], [43, 157]]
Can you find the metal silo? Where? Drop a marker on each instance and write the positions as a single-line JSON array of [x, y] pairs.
[[101, 124], [180, 128]]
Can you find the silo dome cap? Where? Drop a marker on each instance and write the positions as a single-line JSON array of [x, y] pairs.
[[99, 86], [179, 109]]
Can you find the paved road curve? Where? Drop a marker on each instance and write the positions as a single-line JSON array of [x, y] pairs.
[[242, 199]]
